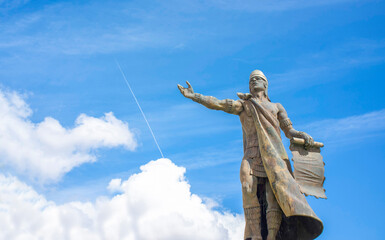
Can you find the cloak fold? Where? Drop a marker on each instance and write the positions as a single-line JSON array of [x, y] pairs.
[[300, 223]]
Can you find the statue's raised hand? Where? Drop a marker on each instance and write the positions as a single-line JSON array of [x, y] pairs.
[[187, 92]]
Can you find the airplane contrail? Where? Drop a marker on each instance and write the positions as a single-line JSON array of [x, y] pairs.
[[136, 100]]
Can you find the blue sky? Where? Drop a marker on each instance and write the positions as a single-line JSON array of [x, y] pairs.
[[324, 61]]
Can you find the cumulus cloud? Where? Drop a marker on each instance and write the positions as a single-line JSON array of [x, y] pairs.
[[153, 204], [45, 151]]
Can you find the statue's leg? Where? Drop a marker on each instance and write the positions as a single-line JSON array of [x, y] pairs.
[[251, 205], [273, 213]]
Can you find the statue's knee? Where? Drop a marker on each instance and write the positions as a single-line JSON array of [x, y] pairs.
[[245, 170], [247, 187], [248, 183]]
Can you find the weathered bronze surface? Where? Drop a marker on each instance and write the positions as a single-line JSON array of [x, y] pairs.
[[273, 200], [308, 168]]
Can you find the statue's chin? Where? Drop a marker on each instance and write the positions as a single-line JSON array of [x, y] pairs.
[[257, 89]]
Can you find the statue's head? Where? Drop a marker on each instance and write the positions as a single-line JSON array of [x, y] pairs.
[[258, 82]]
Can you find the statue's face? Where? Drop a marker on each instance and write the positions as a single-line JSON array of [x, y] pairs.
[[257, 83]]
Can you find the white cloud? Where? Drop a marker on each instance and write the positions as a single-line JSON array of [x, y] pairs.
[[46, 150], [115, 185], [153, 204]]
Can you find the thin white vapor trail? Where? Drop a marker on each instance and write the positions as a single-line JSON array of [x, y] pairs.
[[136, 100]]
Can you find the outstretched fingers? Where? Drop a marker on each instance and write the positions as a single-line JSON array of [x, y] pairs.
[[188, 84], [187, 92], [181, 89]]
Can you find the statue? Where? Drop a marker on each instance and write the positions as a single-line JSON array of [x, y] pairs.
[[273, 200]]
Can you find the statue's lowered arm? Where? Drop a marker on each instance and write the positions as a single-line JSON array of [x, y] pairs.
[[226, 105], [308, 164], [287, 127]]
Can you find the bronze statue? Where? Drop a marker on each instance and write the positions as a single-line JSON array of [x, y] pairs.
[[269, 186]]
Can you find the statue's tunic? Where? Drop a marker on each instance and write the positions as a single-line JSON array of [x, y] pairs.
[[267, 157], [300, 216], [250, 142]]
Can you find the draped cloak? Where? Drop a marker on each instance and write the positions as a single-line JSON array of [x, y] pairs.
[[300, 222]]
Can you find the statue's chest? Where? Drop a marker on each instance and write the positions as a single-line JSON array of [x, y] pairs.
[[268, 106]]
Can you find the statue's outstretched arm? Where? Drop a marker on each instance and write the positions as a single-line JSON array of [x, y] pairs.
[[287, 127], [227, 105]]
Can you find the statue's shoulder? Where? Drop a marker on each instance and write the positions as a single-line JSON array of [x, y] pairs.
[[244, 96], [244, 99], [278, 105]]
